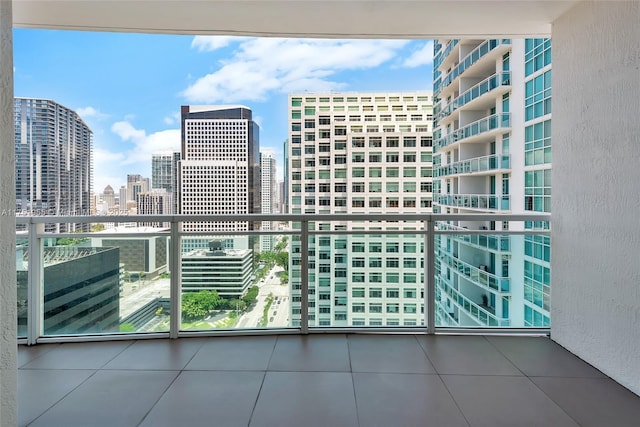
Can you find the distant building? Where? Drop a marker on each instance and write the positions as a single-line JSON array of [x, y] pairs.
[[53, 149], [164, 175], [109, 197], [268, 195], [227, 271], [219, 166], [144, 254], [154, 202], [81, 287]]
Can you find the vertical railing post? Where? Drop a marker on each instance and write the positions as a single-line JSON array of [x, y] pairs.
[[35, 303], [430, 277], [175, 257], [304, 277]]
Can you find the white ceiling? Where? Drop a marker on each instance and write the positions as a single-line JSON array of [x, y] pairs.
[[298, 18]]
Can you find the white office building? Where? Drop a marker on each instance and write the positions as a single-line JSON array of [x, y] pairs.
[[360, 153], [492, 143]]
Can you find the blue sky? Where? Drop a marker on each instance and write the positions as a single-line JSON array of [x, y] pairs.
[[129, 87]]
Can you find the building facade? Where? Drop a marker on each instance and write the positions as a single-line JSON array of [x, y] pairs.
[[53, 168], [226, 271], [164, 175], [360, 153], [268, 186], [492, 142], [219, 166], [81, 287], [155, 202]]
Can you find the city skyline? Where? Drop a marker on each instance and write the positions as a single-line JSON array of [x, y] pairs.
[[133, 108]]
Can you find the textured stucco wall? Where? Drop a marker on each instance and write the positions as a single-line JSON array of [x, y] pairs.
[[8, 291], [595, 310]]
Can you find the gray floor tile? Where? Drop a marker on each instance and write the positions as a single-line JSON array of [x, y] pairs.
[[38, 390], [394, 353], [310, 353], [404, 400], [498, 401], [542, 357], [27, 354], [160, 354], [109, 398], [233, 354], [306, 399], [90, 355], [469, 355], [203, 398], [593, 401]]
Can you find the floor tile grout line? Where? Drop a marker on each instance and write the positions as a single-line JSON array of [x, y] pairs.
[[552, 400], [53, 346], [353, 381], [95, 371], [455, 402], [504, 355], [255, 404], [273, 351], [160, 397]]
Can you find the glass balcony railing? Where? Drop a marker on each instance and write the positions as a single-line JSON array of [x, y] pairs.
[[493, 122], [472, 57], [499, 243], [502, 79], [475, 201], [477, 274], [478, 164], [115, 277]]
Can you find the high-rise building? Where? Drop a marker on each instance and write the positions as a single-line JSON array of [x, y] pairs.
[[492, 142], [268, 195], [136, 184], [109, 197], [154, 202], [360, 153], [53, 148], [219, 166], [122, 198], [164, 174]]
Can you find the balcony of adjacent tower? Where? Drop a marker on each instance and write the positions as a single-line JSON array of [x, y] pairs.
[[477, 62], [479, 96], [480, 131]]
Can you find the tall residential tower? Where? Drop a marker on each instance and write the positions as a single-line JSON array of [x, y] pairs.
[[492, 142], [53, 149]]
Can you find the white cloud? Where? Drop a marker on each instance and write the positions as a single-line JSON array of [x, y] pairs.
[[91, 112], [422, 56], [262, 65], [211, 43], [172, 119], [145, 145]]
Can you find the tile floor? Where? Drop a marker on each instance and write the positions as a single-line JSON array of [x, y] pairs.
[[318, 380]]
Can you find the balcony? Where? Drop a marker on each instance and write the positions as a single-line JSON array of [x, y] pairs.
[[479, 131], [495, 46], [475, 166], [484, 202], [317, 380], [500, 81]]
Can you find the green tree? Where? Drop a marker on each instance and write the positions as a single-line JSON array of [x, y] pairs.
[[282, 260], [196, 305], [237, 305], [251, 295], [284, 277]]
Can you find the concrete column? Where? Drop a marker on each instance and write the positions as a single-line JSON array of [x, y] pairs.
[[8, 348], [595, 295]]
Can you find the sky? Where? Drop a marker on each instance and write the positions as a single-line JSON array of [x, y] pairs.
[[129, 87]]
